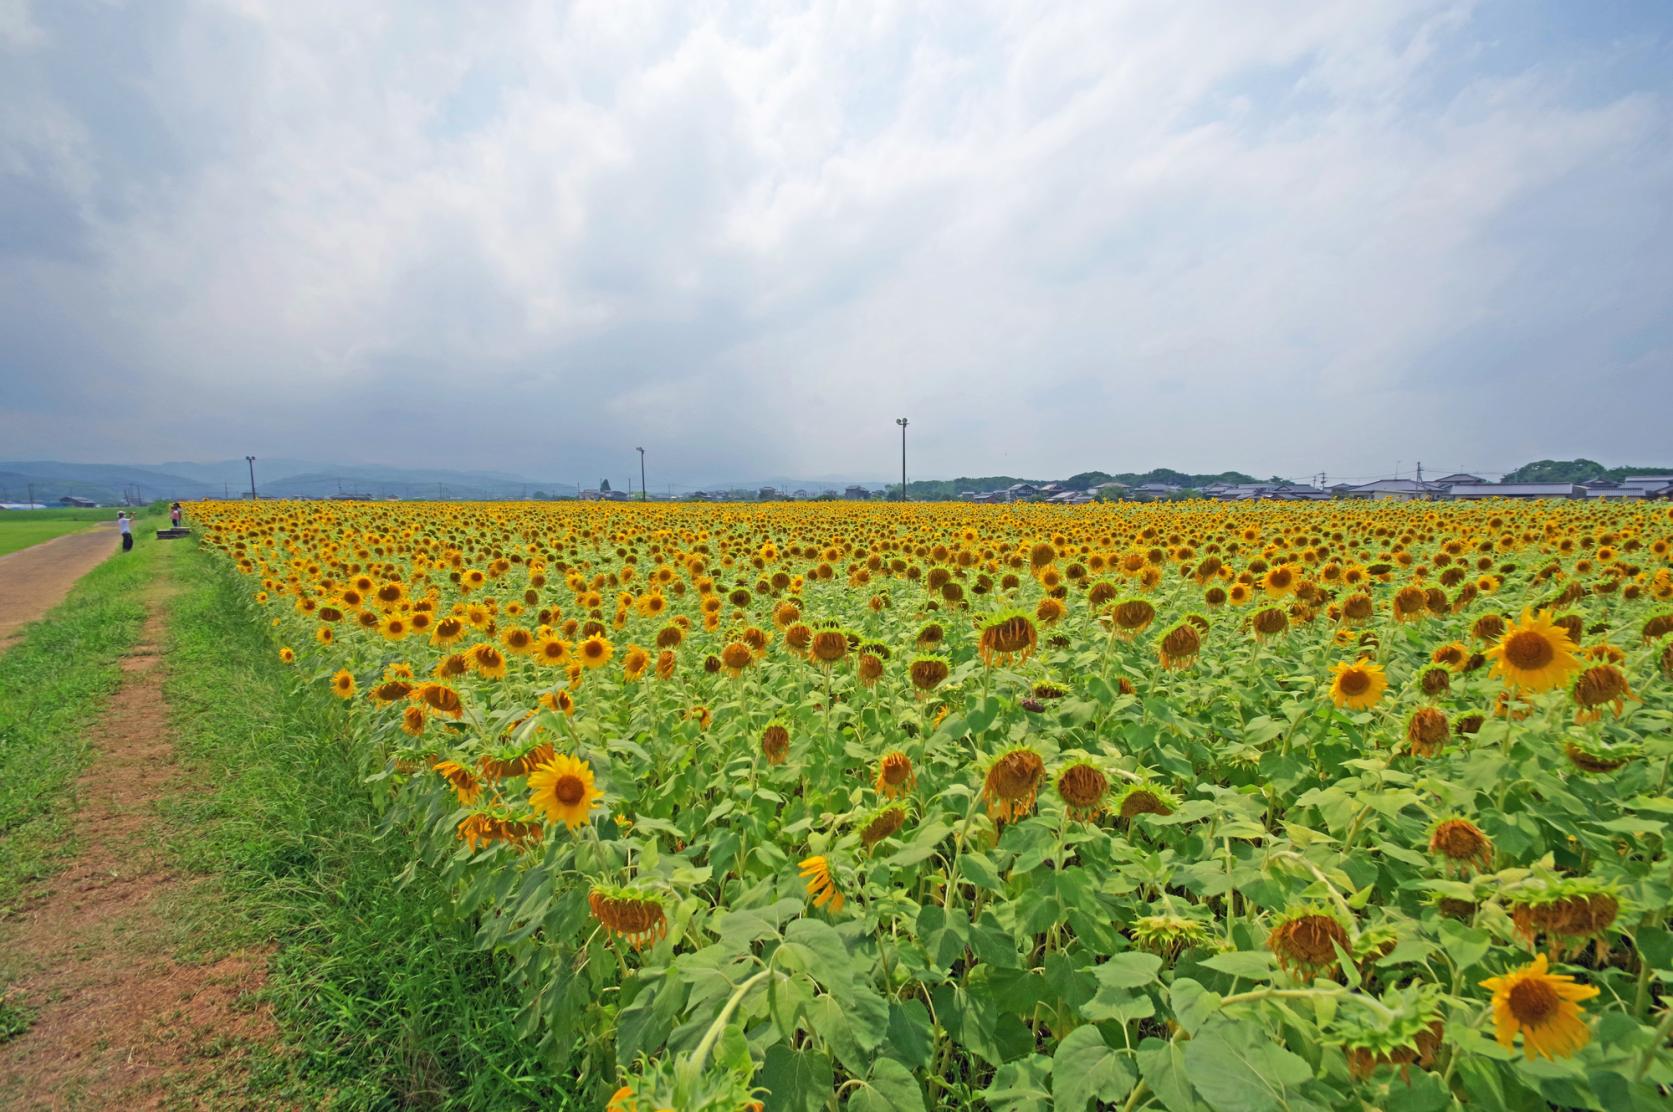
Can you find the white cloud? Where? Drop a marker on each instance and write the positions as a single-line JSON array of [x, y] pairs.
[[1100, 235]]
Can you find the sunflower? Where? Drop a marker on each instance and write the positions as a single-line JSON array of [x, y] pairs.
[[1599, 686], [287, 655], [635, 663], [1083, 788], [342, 684], [927, 672], [1543, 1007], [551, 651], [1005, 636], [1145, 799], [488, 661], [440, 698], [1306, 942], [1179, 646], [895, 776], [1131, 617], [1426, 731], [634, 914], [1535, 654], [820, 885], [595, 651], [775, 742], [563, 790], [413, 720], [735, 657], [462, 780], [482, 829], [1011, 784], [1462, 844], [881, 824], [1357, 686]]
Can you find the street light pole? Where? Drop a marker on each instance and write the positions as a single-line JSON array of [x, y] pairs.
[[251, 460], [642, 495], [901, 421]]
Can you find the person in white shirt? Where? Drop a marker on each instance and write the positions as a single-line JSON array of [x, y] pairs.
[[126, 528]]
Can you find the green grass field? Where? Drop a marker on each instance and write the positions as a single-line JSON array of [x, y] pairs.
[[381, 994], [17, 533]]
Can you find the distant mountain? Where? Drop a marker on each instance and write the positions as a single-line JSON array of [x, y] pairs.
[[1575, 471]]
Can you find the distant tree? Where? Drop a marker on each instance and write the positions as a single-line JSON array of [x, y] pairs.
[[604, 486], [540, 496]]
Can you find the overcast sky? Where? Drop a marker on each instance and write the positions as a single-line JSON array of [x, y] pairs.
[[1279, 237]]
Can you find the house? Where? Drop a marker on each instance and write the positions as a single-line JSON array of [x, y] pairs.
[[1456, 478], [767, 494], [1469, 492], [1396, 490], [77, 503], [1021, 492], [1146, 492], [856, 493]]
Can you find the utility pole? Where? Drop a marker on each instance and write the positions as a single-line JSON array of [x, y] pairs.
[[1420, 471], [31, 496], [251, 460], [642, 495], [901, 421]]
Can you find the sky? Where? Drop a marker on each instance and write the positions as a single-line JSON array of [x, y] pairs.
[[1285, 238]]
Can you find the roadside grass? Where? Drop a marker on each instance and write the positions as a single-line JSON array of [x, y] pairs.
[[76, 513], [16, 534], [376, 985], [53, 684]]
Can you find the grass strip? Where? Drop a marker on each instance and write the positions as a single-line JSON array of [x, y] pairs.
[[53, 684], [376, 983], [17, 535]]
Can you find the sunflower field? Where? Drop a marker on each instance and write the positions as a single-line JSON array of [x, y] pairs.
[[1190, 806]]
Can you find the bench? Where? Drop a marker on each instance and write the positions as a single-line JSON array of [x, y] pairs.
[[173, 534]]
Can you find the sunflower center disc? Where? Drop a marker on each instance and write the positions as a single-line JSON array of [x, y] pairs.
[[569, 790]]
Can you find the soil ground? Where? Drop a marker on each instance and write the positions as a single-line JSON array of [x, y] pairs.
[[36, 579], [118, 1017]]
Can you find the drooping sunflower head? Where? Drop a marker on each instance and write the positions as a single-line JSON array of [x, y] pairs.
[[1131, 617], [775, 742], [1006, 636], [563, 790], [828, 645], [1407, 1029], [895, 776], [735, 657], [1168, 933], [881, 823], [1306, 941], [927, 672], [1145, 798], [635, 663], [1012, 781], [1461, 845], [1178, 647], [1427, 731], [1569, 911], [631, 913], [1083, 788], [1599, 686], [1591, 756]]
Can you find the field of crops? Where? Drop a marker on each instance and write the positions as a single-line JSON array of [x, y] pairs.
[[883, 807]]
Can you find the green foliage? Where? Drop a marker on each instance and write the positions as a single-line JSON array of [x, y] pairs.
[[378, 985], [1575, 471]]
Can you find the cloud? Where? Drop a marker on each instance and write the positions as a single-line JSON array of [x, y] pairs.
[[1282, 237]]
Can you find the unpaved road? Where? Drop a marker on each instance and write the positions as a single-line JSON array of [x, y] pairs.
[[119, 1020], [37, 578]]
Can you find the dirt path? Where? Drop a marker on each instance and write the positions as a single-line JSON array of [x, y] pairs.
[[37, 578], [118, 1019]]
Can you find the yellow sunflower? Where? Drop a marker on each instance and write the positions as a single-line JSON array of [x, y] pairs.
[[1535, 654], [1357, 686], [595, 651], [563, 790], [1544, 1007], [342, 684]]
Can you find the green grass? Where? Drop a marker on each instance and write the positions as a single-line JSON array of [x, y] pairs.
[[20, 533], [53, 683], [379, 992], [70, 513]]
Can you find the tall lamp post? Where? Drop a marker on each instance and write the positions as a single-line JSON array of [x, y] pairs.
[[901, 421], [251, 460], [642, 494]]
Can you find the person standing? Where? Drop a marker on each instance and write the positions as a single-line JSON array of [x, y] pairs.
[[174, 515], [126, 528]]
